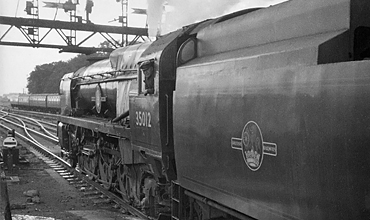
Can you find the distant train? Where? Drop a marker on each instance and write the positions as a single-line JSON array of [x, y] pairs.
[[37, 102]]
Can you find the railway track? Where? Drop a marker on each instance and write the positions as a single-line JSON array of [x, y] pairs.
[[48, 120], [41, 116], [41, 142]]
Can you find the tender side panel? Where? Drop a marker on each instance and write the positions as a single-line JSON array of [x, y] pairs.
[[314, 119]]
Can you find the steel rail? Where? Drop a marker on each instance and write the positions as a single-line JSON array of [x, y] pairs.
[[40, 146], [116, 199], [25, 129], [29, 129], [44, 114], [47, 123], [37, 122]]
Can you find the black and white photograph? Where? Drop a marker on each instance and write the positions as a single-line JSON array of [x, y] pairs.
[[185, 110]]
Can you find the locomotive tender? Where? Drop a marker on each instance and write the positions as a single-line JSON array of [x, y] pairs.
[[259, 114]]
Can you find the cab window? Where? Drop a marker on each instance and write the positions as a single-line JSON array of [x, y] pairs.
[[147, 74]]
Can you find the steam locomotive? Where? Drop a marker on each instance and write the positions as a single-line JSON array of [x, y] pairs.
[[259, 114]]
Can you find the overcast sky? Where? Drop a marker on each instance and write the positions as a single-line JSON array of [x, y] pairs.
[[16, 63]]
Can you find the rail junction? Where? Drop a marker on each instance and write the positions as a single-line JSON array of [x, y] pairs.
[[43, 143]]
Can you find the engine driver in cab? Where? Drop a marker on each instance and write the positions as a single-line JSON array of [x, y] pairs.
[[148, 70]]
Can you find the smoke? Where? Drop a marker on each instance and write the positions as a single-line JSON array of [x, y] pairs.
[[155, 13], [168, 15]]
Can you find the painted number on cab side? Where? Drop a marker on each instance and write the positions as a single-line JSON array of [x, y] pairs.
[[143, 119]]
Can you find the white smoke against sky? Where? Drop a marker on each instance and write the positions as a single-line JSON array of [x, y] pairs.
[[168, 15]]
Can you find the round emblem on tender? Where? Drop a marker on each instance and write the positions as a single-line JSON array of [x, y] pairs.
[[252, 145], [98, 99]]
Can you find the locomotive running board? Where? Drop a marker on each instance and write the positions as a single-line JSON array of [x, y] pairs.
[[97, 125]]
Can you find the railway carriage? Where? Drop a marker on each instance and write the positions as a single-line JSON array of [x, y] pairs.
[[259, 114], [14, 101], [37, 101], [53, 103], [23, 102]]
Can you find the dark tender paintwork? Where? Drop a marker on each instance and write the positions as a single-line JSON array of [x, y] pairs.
[[316, 117], [289, 70]]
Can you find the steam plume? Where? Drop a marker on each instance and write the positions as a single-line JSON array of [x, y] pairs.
[[168, 15]]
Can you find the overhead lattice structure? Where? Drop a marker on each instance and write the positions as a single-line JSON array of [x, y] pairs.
[[68, 31]]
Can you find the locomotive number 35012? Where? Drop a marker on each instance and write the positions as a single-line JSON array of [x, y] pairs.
[[143, 119]]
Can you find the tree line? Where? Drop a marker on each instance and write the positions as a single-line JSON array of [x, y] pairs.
[[46, 77]]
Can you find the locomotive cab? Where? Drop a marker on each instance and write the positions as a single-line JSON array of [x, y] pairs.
[[151, 106], [144, 114]]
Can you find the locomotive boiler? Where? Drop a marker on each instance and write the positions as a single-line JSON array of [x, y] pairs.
[[258, 114]]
